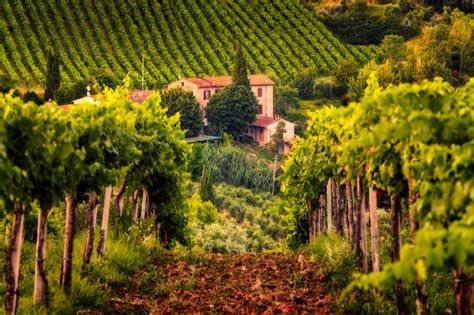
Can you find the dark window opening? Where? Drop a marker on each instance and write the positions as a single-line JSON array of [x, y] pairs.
[[260, 109], [207, 94], [260, 92]]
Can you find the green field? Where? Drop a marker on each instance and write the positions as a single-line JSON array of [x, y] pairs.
[[179, 38]]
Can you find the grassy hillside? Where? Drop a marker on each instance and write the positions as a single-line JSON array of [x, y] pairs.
[[178, 38]]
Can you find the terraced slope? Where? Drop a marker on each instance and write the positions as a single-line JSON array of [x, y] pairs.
[[179, 38]]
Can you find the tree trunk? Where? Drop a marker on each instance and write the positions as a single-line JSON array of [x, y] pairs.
[[136, 197], [339, 210], [396, 244], [358, 227], [335, 205], [421, 298], [374, 229], [117, 204], [412, 197], [94, 214], [66, 271], [321, 213], [363, 234], [144, 204], [41, 291], [90, 224], [329, 204], [310, 222], [11, 264], [353, 237], [463, 292], [105, 221]]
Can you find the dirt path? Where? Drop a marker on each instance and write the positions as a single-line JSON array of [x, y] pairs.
[[213, 283]]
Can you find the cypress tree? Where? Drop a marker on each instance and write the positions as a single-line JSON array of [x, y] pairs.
[[206, 190], [53, 76], [239, 75]]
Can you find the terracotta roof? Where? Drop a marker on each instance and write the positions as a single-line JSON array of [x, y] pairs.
[[221, 81], [263, 121], [139, 96]]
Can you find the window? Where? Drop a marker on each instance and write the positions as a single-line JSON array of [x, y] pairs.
[[260, 109], [261, 130], [182, 84], [207, 94], [260, 92]]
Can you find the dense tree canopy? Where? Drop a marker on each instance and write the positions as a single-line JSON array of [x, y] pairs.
[[232, 110], [183, 102]]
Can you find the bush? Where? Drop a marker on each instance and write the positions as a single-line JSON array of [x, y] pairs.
[[286, 98], [358, 24], [304, 82], [336, 257], [31, 96], [221, 238]]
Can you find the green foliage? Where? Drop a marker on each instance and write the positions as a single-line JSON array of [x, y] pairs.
[[6, 83], [418, 132], [281, 37], [206, 190], [202, 212], [53, 76], [232, 110], [285, 98], [327, 87], [336, 257], [247, 221], [360, 24], [183, 102], [221, 238], [304, 82], [394, 47], [233, 166], [31, 96], [239, 73], [277, 144], [196, 160]]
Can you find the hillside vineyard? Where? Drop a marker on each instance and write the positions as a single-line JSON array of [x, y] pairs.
[[176, 38]]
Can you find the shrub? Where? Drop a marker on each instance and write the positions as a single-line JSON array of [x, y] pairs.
[[336, 257], [221, 238], [304, 82]]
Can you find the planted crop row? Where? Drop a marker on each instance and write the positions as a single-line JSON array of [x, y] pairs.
[[179, 38]]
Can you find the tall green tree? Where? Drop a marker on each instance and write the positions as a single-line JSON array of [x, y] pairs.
[[232, 110], [184, 102], [206, 190], [239, 75], [53, 75]]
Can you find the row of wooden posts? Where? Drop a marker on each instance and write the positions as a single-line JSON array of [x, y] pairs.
[[41, 290], [347, 216]]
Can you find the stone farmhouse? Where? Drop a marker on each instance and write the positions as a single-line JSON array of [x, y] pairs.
[[262, 86]]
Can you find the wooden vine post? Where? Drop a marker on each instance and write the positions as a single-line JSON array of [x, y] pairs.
[[329, 205], [105, 221], [11, 264], [66, 270], [41, 291], [90, 225], [374, 229]]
